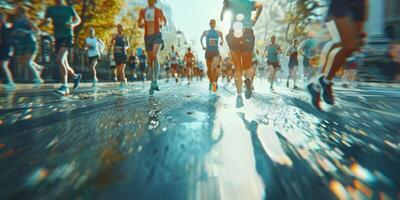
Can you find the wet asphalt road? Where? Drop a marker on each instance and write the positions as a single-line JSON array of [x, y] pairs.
[[184, 143]]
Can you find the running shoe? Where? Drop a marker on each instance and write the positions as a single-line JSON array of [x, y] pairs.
[[248, 91], [327, 93], [95, 81], [239, 102], [77, 81], [9, 86], [315, 96], [63, 90], [154, 86], [295, 87], [38, 82]]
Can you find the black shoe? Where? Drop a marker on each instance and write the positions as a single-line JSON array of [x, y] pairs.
[[327, 93], [315, 96], [248, 91], [77, 81]]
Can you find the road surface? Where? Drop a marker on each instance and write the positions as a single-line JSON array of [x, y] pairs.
[[184, 143]]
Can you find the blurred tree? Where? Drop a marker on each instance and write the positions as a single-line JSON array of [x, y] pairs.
[[131, 30]]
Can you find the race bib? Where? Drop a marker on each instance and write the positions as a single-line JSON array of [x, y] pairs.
[[150, 15], [213, 42]]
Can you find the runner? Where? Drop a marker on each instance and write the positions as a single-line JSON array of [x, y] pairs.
[[121, 45], [133, 63], [173, 58], [25, 47], [143, 65], [94, 47], [212, 53], [292, 53], [189, 60], [347, 31], [308, 49], [6, 51], [167, 68], [200, 65], [241, 41], [152, 19], [273, 50], [65, 19]]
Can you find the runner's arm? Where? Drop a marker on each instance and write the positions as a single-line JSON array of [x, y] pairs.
[[76, 20], [222, 38], [288, 51], [102, 46], [163, 19], [140, 21], [259, 7], [301, 48], [226, 5], [128, 44], [202, 39]]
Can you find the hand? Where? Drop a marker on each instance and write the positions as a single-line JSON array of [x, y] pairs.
[[141, 25], [69, 25], [221, 43], [253, 21]]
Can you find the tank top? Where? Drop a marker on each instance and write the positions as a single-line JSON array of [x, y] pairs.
[[212, 39], [294, 53], [94, 49], [120, 44], [151, 16], [174, 57]]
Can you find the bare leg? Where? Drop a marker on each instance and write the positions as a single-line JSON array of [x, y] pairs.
[[4, 65], [237, 61], [350, 41], [93, 67], [61, 56]]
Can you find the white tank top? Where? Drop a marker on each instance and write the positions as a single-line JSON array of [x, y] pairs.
[[94, 49]]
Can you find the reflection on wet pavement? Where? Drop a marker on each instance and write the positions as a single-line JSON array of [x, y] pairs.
[[184, 143]]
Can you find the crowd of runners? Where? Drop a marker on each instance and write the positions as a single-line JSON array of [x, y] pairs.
[[321, 61]]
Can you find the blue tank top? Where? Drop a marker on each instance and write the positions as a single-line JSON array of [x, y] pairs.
[[119, 46], [23, 30], [273, 53], [212, 39]]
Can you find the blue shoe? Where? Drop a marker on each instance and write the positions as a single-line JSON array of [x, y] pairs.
[[315, 96], [239, 102], [327, 93], [95, 81], [154, 86], [63, 90], [248, 91], [77, 81], [9, 86]]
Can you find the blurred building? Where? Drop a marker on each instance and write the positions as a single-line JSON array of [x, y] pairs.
[[392, 19]]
